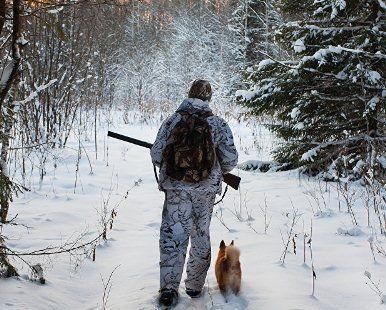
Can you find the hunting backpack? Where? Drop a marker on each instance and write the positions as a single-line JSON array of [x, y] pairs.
[[189, 154]]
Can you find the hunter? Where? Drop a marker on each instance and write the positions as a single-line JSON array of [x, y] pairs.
[[193, 149]]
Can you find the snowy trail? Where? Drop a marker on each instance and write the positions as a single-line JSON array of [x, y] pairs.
[[55, 213]]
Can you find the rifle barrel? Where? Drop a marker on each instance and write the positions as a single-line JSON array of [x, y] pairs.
[[230, 179], [128, 139]]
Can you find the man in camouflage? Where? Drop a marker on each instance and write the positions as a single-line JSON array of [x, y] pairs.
[[188, 204]]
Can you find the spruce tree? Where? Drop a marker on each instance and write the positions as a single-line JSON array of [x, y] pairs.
[[329, 99]]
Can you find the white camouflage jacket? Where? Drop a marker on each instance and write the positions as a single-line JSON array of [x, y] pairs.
[[222, 139]]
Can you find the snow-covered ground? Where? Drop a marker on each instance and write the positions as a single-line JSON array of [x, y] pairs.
[[54, 214]]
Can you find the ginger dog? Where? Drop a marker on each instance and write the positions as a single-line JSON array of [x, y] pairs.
[[227, 269]]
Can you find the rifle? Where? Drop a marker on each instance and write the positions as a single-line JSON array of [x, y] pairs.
[[229, 178]]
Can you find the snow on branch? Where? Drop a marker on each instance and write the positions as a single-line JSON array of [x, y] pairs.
[[34, 94], [335, 6], [310, 154], [246, 95], [382, 4]]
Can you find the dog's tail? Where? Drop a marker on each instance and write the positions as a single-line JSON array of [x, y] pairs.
[[232, 253]]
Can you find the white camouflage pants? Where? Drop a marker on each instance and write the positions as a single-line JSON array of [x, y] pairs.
[[185, 214]]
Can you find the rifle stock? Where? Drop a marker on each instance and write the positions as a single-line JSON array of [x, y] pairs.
[[232, 180], [229, 178]]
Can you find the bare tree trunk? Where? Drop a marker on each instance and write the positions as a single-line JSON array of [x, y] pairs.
[[95, 129], [16, 57], [2, 14], [7, 122]]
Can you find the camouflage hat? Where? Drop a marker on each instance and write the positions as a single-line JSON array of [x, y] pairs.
[[200, 89]]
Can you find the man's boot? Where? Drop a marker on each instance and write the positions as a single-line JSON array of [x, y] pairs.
[[168, 297]]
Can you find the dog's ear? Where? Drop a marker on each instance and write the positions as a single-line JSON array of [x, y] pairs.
[[222, 244], [232, 243]]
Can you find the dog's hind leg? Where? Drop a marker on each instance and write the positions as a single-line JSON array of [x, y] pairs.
[[236, 289], [224, 292]]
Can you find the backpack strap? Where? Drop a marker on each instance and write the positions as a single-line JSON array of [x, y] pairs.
[[202, 114], [206, 114]]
